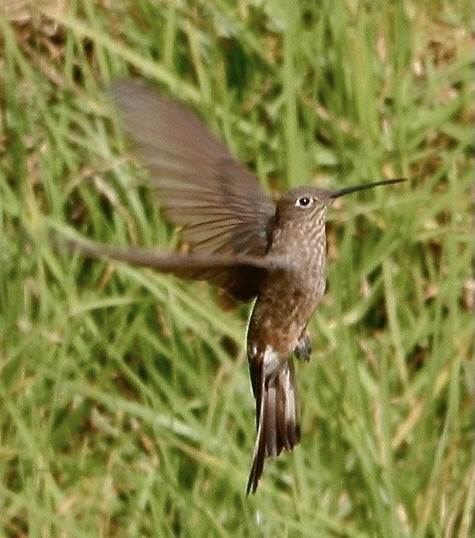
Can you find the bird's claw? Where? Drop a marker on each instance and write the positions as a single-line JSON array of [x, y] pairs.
[[303, 349]]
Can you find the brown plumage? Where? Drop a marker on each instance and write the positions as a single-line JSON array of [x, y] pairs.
[[241, 241]]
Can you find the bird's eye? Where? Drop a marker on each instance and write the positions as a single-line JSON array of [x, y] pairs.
[[303, 202]]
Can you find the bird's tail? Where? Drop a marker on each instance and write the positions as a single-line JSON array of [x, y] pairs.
[[277, 418]]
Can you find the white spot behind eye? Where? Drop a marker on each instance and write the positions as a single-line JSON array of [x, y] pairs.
[[304, 201]]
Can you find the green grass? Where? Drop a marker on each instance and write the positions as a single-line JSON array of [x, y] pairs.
[[125, 404]]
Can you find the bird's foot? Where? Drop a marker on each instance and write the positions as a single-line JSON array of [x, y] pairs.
[[303, 349]]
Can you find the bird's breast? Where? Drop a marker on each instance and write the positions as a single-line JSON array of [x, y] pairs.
[[282, 310]]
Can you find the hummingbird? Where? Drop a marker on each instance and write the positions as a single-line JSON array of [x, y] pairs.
[[240, 241]]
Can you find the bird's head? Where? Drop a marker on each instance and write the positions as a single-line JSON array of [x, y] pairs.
[[309, 204]]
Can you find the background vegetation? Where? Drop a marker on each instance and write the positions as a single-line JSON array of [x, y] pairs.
[[125, 404]]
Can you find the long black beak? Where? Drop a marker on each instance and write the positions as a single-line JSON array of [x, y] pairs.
[[348, 190]]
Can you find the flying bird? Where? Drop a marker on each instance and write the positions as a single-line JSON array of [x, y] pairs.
[[241, 241]]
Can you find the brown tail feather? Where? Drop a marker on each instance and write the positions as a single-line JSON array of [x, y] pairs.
[[277, 419]]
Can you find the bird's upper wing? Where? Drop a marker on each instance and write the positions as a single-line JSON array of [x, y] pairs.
[[219, 204]]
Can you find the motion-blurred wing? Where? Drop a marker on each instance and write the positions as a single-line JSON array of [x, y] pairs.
[[218, 203], [193, 266]]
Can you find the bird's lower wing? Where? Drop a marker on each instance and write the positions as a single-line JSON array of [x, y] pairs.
[[239, 274]]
